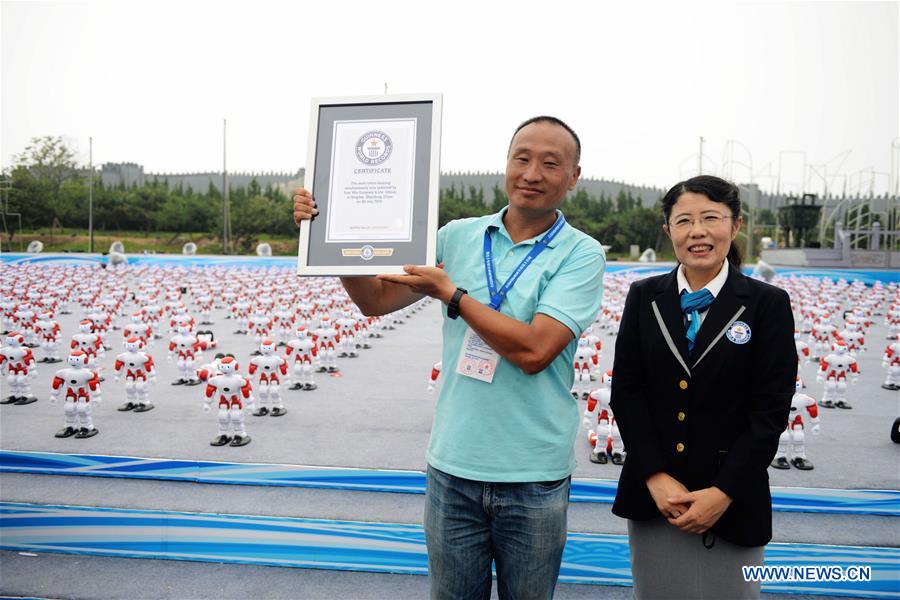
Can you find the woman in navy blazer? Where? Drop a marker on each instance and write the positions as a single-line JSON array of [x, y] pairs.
[[700, 410]]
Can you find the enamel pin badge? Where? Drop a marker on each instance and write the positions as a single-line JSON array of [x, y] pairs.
[[738, 333]]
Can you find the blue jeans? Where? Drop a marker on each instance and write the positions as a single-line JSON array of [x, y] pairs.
[[521, 527]]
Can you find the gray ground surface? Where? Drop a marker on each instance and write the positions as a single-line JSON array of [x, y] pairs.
[[378, 414], [101, 577]]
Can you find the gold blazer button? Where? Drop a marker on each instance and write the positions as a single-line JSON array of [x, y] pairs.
[[682, 384]]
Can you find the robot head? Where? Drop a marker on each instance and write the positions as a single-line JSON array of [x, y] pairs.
[[14, 339], [839, 347], [137, 317], [582, 342], [796, 335], [302, 334], [133, 344], [798, 384], [183, 329], [78, 359], [86, 326], [267, 347], [606, 379], [45, 315], [228, 365]]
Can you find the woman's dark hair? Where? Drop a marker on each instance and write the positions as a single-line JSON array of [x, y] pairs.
[[717, 190]]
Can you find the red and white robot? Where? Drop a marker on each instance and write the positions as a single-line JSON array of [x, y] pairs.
[[326, 338], [184, 346], [891, 361], [18, 362], [604, 437], [301, 351], [791, 447], [139, 329], [853, 337], [586, 361], [25, 319], [260, 325], [82, 387], [821, 336], [47, 330], [140, 372], [269, 368], [230, 391], [87, 341], [834, 369], [802, 349], [435, 374], [347, 328]]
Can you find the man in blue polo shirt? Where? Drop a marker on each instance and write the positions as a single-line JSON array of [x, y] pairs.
[[520, 287]]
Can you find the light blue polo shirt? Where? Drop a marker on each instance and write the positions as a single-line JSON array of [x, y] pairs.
[[518, 427]]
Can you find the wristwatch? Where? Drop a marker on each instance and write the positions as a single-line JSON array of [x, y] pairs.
[[453, 305]]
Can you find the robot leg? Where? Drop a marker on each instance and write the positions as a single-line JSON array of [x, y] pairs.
[[237, 424], [784, 442], [85, 423], [798, 449], [275, 396], [262, 399], [840, 395], [308, 382], [142, 396], [618, 446]]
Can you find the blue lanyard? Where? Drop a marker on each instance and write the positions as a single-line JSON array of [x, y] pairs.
[[497, 296]]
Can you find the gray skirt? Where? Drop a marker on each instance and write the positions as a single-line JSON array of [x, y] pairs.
[[669, 563]]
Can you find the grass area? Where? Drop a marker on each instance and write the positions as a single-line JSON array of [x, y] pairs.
[[137, 242]]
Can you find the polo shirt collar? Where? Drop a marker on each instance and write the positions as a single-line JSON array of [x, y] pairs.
[[714, 286], [496, 222]]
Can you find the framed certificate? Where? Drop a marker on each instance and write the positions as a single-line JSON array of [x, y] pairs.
[[373, 168]]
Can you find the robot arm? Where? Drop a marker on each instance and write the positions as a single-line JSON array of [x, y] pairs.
[[54, 388], [118, 368]]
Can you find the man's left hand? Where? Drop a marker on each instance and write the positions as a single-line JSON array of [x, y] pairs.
[[431, 281], [706, 506]]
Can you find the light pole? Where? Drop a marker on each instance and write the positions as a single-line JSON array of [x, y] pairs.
[[90, 195], [225, 216]]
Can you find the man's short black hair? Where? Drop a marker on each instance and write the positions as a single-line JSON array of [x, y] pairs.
[[554, 121]]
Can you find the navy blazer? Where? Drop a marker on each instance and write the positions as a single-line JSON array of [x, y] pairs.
[[711, 418]]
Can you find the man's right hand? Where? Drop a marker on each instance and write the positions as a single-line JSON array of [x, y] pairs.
[[663, 486], [304, 206]]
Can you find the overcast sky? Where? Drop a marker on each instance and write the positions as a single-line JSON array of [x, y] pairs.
[[793, 84]]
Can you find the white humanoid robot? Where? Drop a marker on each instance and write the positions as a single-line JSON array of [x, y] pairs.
[[140, 372], [7, 315], [853, 338], [18, 362], [139, 329], [834, 369], [230, 391], [891, 361], [347, 328], [284, 321], [87, 341], [821, 336], [802, 349], [269, 368], [585, 362], [47, 330], [25, 319], [603, 432], [326, 337], [240, 312], [791, 447], [82, 388], [435, 374], [301, 352], [184, 345], [261, 326]]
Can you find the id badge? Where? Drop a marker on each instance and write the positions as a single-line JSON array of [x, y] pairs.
[[476, 359]]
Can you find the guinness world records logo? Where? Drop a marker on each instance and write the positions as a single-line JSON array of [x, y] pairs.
[[374, 147]]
